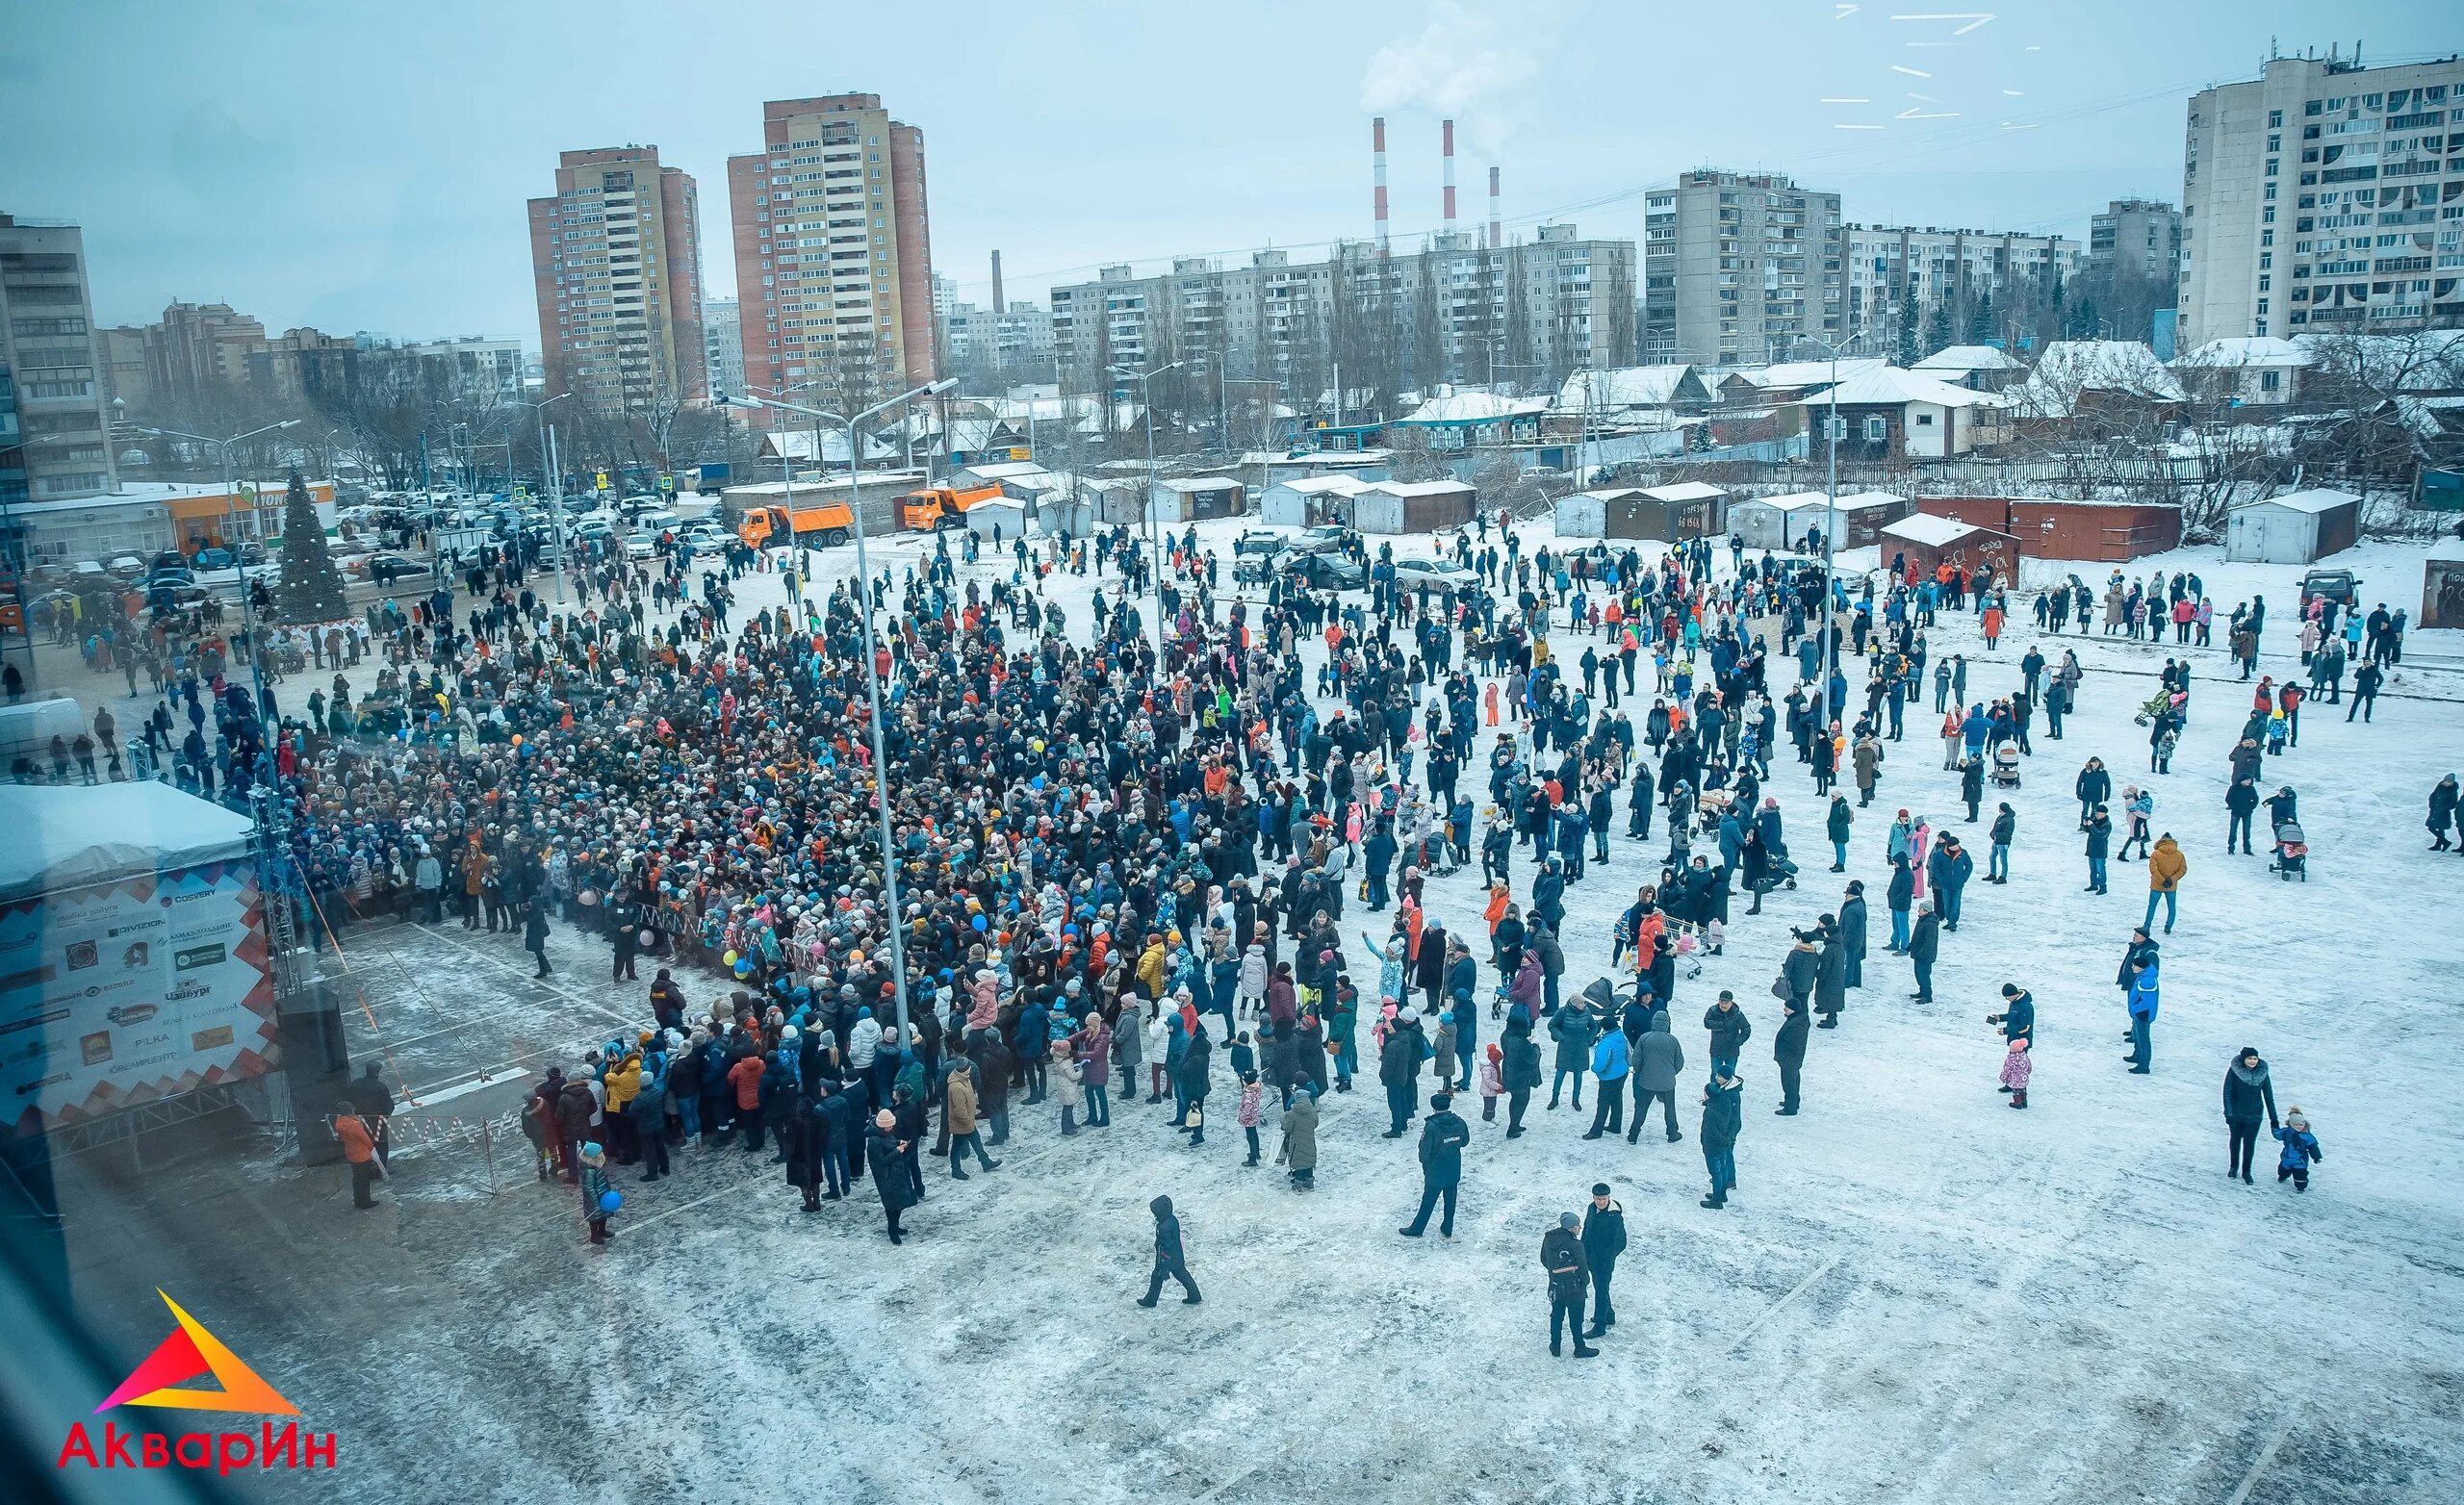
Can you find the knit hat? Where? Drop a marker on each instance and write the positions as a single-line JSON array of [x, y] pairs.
[[1569, 1222]]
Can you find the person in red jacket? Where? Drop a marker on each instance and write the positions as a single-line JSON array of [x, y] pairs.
[[2289, 700], [745, 1076]]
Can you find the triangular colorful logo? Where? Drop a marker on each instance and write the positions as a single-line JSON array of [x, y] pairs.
[[185, 1355]]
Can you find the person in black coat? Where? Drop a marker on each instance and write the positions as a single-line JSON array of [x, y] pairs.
[[838, 1140], [807, 1146], [1428, 965], [1788, 1049], [1603, 1240], [1852, 935], [1730, 1029], [885, 1157], [1561, 1255], [1171, 1258], [1521, 1070], [1924, 945], [1443, 1135], [2247, 1092]]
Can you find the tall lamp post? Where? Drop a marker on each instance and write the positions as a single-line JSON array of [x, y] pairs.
[[230, 495], [872, 671], [553, 477], [1830, 501], [1154, 553]]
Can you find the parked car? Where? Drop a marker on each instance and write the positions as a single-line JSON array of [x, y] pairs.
[[213, 559], [1444, 576], [128, 566], [639, 545], [2341, 586], [386, 569], [1327, 572]]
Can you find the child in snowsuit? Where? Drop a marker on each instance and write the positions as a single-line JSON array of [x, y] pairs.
[[2017, 1065], [1448, 1055], [2300, 1150], [1492, 1083], [593, 1190], [1249, 1114]]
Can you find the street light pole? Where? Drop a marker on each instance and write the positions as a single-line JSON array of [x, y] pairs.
[[1830, 505], [1154, 551], [872, 661], [554, 487]]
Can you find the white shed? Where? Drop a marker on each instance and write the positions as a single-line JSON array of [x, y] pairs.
[[1772, 522], [2298, 528], [1306, 501], [998, 516], [1411, 506], [1199, 497]]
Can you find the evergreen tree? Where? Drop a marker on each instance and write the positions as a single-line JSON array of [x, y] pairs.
[[1979, 320], [1937, 326], [1909, 355], [312, 587]]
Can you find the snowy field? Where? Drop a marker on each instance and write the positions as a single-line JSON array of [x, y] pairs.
[[1916, 1294]]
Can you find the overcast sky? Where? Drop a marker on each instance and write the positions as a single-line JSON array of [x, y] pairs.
[[364, 167]]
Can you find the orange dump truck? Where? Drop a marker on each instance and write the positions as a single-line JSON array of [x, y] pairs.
[[941, 506], [777, 526]]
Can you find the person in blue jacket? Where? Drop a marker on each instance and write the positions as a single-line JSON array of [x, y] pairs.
[[2141, 1000], [2300, 1150], [1609, 1063]]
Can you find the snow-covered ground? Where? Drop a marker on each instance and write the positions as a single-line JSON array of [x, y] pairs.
[[1916, 1294]]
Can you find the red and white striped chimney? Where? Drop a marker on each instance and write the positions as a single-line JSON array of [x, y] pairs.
[[1449, 128], [1378, 177], [1497, 217]]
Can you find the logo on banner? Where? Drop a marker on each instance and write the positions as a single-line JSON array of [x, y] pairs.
[[162, 1382], [185, 1355]]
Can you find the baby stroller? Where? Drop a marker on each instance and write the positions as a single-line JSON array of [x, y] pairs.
[[2006, 766], [2292, 853], [1709, 807]]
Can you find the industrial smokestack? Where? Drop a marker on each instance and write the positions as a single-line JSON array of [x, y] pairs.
[[999, 307], [1449, 128], [1377, 178], [1497, 217]]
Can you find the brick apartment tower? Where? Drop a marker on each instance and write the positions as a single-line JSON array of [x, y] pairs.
[[834, 259], [616, 262]]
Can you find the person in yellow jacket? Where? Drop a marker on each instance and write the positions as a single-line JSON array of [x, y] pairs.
[[2166, 868], [1150, 966], [622, 1082]]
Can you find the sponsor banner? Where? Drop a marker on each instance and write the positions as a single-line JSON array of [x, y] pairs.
[[114, 996]]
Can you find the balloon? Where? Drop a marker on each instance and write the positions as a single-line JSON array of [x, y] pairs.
[[978, 922], [610, 1201], [744, 969], [728, 958]]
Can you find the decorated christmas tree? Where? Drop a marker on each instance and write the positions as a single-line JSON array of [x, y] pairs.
[[312, 588]]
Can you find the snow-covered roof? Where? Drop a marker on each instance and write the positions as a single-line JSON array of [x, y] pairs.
[[2069, 367], [1965, 358], [1850, 501], [1887, 386], [1008, 470], [2316, 500], [1805, 374], [1323, 485], [1685, 491], [1924, 527], [1198, 483], [2253, 350], [1417, 488], [1628, 387], [1475, 407]]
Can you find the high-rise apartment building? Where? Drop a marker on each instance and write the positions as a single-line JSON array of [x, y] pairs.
[[725, 338], [834, 254], [1899, 274], [616, 260], [1459, 310], [2323, 197], [1736, 267], [55, 419], [2137, 237]]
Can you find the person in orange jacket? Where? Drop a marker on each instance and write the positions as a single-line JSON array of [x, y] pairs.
[[359, 1151]]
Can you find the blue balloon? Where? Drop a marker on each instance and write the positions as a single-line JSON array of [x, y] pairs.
[[744, 966], [610, 1201], [977, 922]]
